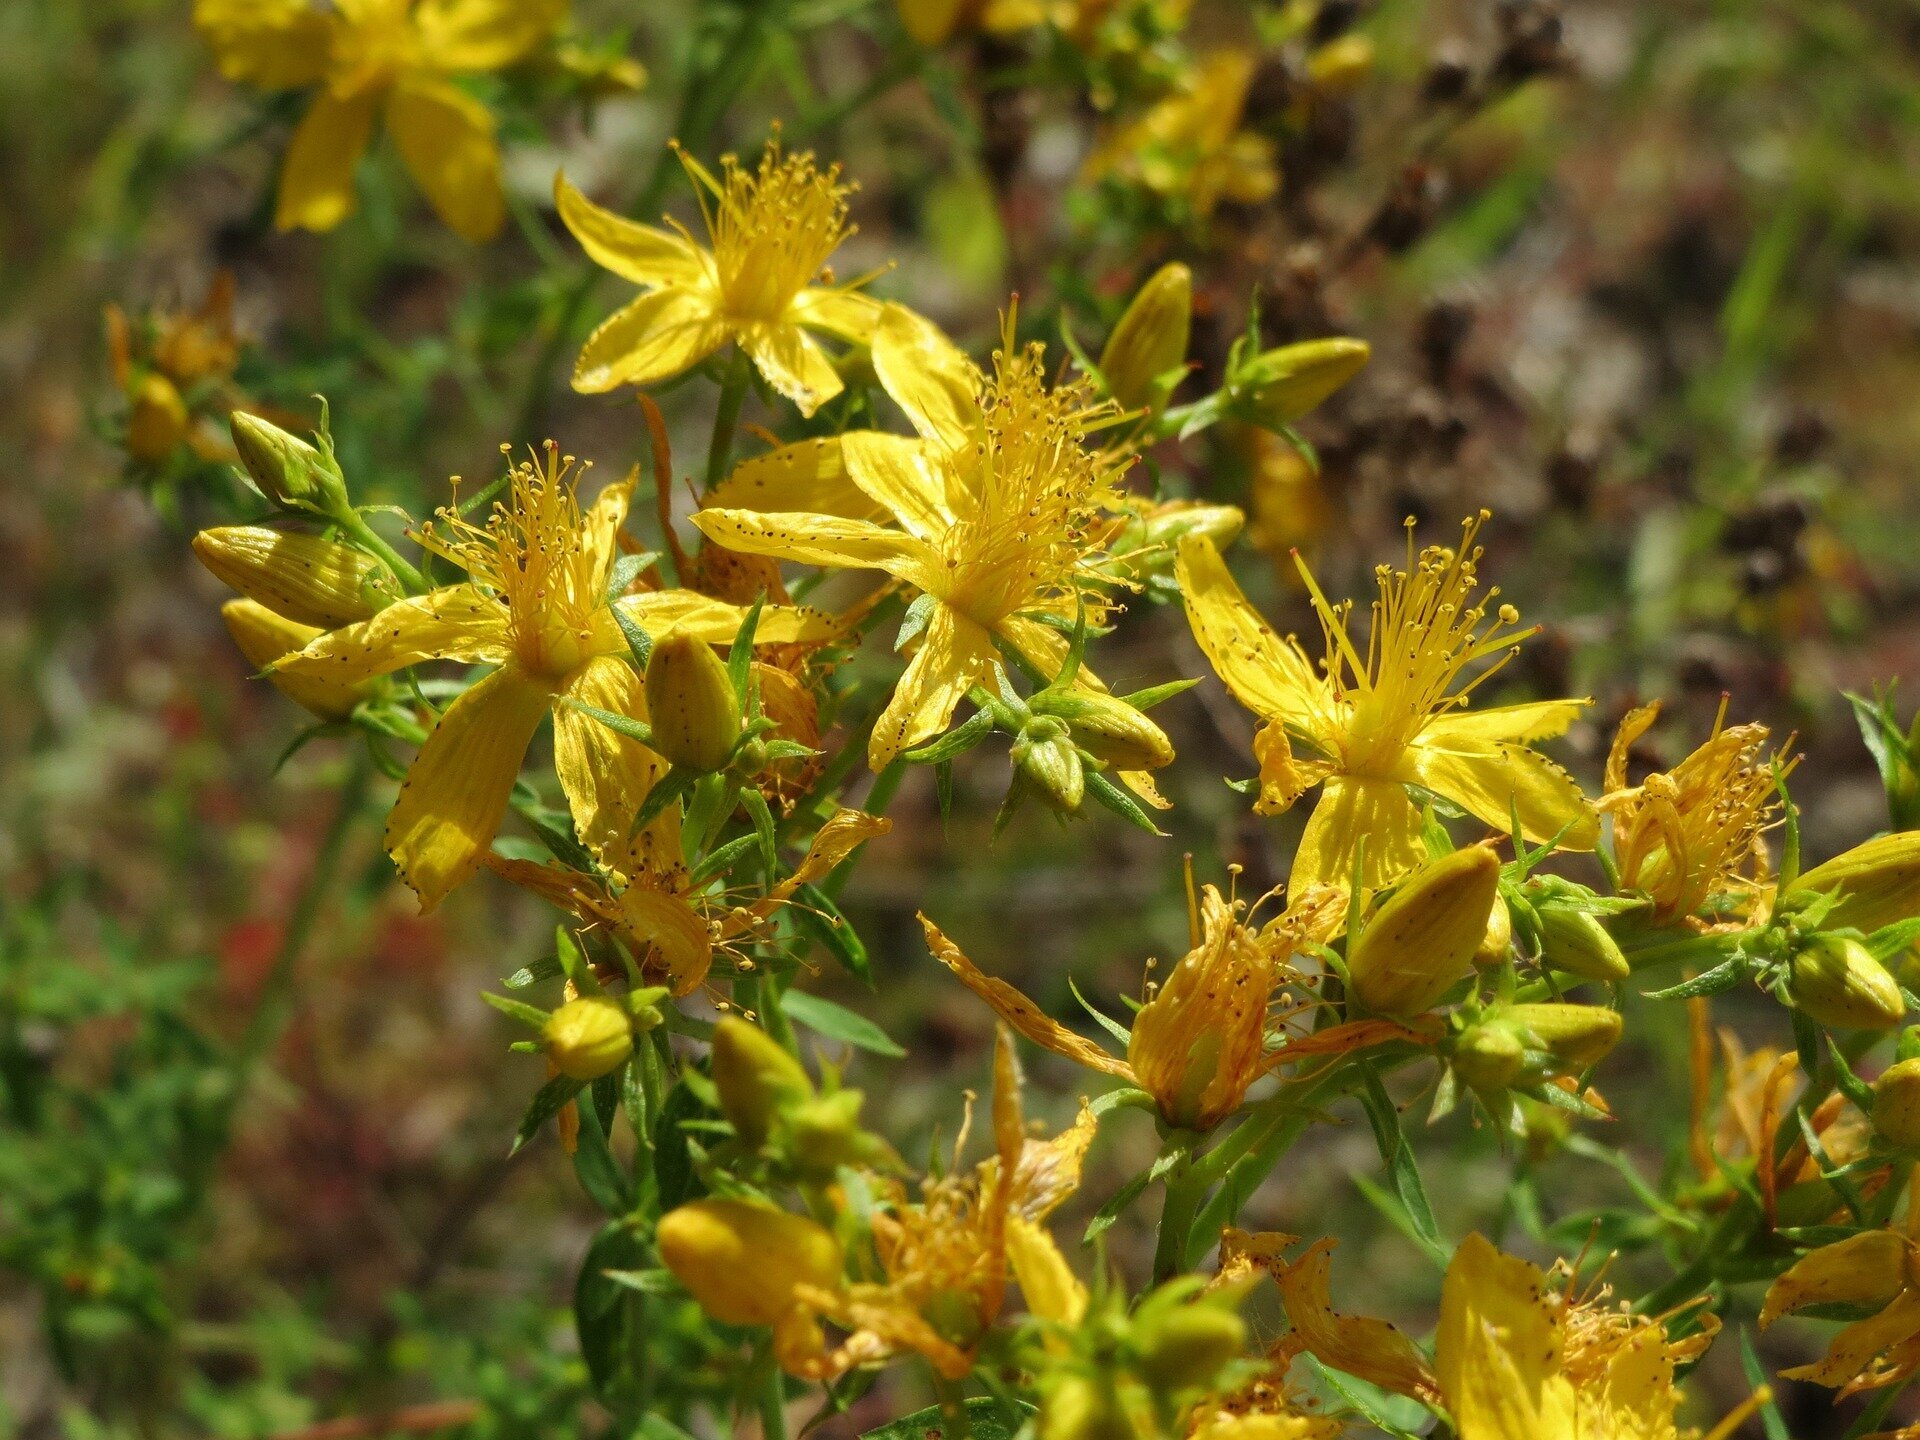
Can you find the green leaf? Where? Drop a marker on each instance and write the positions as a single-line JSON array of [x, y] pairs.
[[915, 621], [836, 1022], [620, 724], [627, 569], [1724, 976], [1398, 1156], [1771, 1419], [818, 917], [673, 1173], [1117, 1205], [639, 642], [1106, 1022], [593, 1161], [603, 1307], [547, 967], [678, 782], [956, 742], [546, 1103], [755, 804], [1151, 696], [573, 960], [740, 656], [987, 1419], [721, 859], [516, 1010], [1119, 801]]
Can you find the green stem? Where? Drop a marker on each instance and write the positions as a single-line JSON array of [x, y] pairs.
[[773, 1405], [270, 1011], [726, 416], [355, 524], [1186, 1189], [953, 1409]]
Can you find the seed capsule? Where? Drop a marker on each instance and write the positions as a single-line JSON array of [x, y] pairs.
[[1836, 980], [317, 582], [743, 1262], [690, 703], [1879, 882], [1150, 341], [1423, 939], [588, 1037], [1047, 761]]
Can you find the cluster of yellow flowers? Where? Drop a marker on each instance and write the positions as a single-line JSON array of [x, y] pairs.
[[689, 696]]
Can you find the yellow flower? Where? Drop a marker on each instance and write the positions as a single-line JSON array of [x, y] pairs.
[[1191, 147], [651, 906], [1515, 1357], [536, 605], [368, 58], [1694, 832], [264, 636], [947, 1258], [1391, 718], [997, 510], [763, 284], [174, 368], [1877, 1270]]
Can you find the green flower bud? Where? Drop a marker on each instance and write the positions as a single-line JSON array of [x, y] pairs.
[[1184, 1348], [1896, 1104], [1110, 730], [1575, 941], [743, 1262], [1418, 944], [1150, 342], [1836, 980], [1080, 1408], [826, 1134], [1879, 883], [287, 469], [1047, 762], [158, 419], [588, 1037], [756, 1077], [1147, 544], [1576, 1035], [690, 703], [1279, 386], [1489, 1055]]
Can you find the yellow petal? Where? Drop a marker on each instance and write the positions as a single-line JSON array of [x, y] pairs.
[[483, 34], [1351, 808], [445, 138], [717, 622], [1635, 724], [793, 364], [927, 376], [1865, 1269], [1492, 779], [825, 540], [565, 889], [655, 338], [1371, 1349], [1267, 674], [850, 314], [1498, 1349], [1537, 720], [954, 655], [810, 476], [901, 476], [606, 775], [263, 637], [1855, 1348], [1020, 1012], [1053, 1291], [452, 799], [274, 44], [1635, 1398], [636, 252], [845, 832], [601, 525], [316, 178], [460, 622]]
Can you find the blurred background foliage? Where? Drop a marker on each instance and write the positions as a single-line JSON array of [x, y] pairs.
[[1642, 277]]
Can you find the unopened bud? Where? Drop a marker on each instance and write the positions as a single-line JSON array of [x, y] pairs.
[[1497, 944], [1896, 1104], [1110, 730], [317, 582], [931, 22], [1081, 1408], [1576, 1035], [1147, 544], [1418, 944], [1879, 882], [826, 1134], [1279, 386], [743, 1262], [1340, 66], [1836, 980], [588, 1037], [264, 637], [1489, 1055], [158, 419], [756, 1077], [1047, 762], [690, 703], [287, 469], [1575, 941], [1148, 346], [1186, 1347]]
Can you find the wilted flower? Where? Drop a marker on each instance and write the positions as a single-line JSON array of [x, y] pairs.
[[1877, 1270]]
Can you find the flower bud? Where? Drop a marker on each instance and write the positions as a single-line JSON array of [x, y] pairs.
[[588, 1037], [158, 419], [314, 581], [1110, 730], [826, 1134], [1497, 944], [1422, 940], [287, 469], [1046, 760], [1150, 341], [1575, 941], [1489, 1055], [756, 1077], [690, 703], [1186, 1347], [1081, 1408], [1280, 386], [1147, 543], [743, 1262], [1837, 981], [1576, 1035], [1340, 66], [1879, 882], [264, 637], [1896, 1104]]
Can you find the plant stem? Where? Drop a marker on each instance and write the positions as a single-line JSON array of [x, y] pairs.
[[726, 417], [355, 524], [1186, 1189], [773, 1405]]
